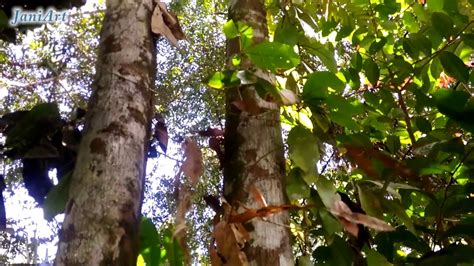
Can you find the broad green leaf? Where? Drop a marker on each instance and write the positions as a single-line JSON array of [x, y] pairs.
[[377, 45], [325, 53], [393, 143], [304, 149], [454, 66], [442, 23], [376, 259], [174, 254], [423, 124], [410, 22], [455, 105], [296, 187], [3, 20], [40, 120], [451, 255], [327, 192], [230, 29], [273, 56], [435, 5], [468, 39], [56, 199], [399, 211], [370, 202], [318, 83], [330, 224], [287, 33], [150, 244], [372, 71], [223, 79]]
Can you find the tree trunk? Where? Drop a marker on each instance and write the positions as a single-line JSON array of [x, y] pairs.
[[255, 155], [103, 211]]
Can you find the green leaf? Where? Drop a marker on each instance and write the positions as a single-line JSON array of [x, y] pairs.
[[296, 187], [396, 208], [435, 5], [372, 71], [393, 143], [304, 149], [273, 55], [451, 255], [370, 202], [442, 23], [287, 33], [326, 191], [174, 253], [318, 83], [410, 22], [454, 66], [468, 39], [377, 45], [150, 244], [56, 199], [230, 30], [325, 53], [376, 259], [40, 120], [3, 19], [330, 224], [222, 79], [423, 124]]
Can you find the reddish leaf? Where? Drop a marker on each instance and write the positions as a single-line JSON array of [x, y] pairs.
[[258, 196], [192, 166]]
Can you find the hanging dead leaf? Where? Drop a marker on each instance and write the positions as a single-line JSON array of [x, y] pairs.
[[166, 23], [192, 166], [171, 20], [350, 219], [228, 245], [161, 132]]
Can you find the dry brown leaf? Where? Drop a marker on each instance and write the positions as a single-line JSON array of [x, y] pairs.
[[227, 245], [258, 196], [171, 20], [159, 26], [349, 219], [192, 166]]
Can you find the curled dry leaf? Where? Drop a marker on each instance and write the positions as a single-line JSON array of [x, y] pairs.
[[166, 23], [192, 166], [350, 219], [229, 241]]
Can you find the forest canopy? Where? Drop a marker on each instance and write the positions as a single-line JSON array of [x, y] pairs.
[[344, 126]]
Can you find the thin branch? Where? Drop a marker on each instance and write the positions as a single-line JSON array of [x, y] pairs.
[[406, 115]]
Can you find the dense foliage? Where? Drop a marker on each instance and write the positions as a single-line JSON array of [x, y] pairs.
[[376, 103]]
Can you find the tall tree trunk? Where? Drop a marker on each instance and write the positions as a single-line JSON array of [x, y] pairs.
[[103, 211], [255, 155]]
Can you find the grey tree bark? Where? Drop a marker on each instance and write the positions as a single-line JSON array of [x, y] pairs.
[[254, 154], [103, 211]]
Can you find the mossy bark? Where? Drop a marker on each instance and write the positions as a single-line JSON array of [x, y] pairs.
[[254, 154], [103, 211]]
